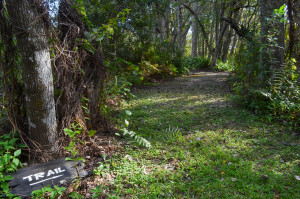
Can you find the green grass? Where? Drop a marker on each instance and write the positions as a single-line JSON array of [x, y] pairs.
[[203, 146]]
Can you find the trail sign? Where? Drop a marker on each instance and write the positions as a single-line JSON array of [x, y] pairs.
[[58, 172]]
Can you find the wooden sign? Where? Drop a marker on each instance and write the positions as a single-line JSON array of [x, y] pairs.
[[58, 172]]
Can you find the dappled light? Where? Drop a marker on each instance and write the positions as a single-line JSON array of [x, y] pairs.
[[149, 99]]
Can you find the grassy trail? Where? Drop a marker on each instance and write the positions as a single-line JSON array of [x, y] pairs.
[[203, 146]]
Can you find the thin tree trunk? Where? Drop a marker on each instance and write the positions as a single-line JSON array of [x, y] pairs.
[[224, 26], [203, 54], [179, 30], [211, 36], [187, 28], [297, 34], [195, 32], [218, 45], [228, 39], [31, 32], [162, 28], [226, 44], [205, 36], [200, 47], [167, 21], [235, 38]]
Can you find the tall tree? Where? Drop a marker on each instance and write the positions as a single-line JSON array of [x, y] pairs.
[[180, 26], [195, 32], [29, 20], [12, 82], [224, 26], [271, 51]]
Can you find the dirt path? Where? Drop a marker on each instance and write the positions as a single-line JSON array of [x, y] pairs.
[[203, 146], [186, 102]]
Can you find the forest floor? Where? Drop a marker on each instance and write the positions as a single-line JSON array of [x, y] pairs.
[[203, 146]]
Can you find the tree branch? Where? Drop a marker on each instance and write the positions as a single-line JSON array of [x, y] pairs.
[[240, 31], [201, 26]]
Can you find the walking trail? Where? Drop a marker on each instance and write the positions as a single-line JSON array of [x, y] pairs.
[[203, 146]]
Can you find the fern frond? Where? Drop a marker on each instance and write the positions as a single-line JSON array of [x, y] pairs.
[[278, 78], [137, 138], [169, 134]]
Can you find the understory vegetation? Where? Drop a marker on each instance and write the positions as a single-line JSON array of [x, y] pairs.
[[156, 99], [203, 146]]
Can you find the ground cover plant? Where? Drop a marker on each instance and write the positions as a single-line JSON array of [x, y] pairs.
[[115, 85], [203, 146]]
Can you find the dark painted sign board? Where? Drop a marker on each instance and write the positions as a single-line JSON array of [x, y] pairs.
[[28, 179]]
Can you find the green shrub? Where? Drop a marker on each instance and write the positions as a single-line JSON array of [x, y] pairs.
[[275, 94], [9, 161], [195, 62], [223, 66]]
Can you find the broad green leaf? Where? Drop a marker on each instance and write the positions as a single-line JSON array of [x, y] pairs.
[[17, 153], [16, 161], [6, 158], [92, 133], [5, 187], [8, 177]]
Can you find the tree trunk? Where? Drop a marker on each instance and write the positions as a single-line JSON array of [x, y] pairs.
[[218, 45], [73, 83], [226, 45], [224, 27], [31, 31], [12, 84], [179, 31], [195, 32], [211, 36], [235, 38], [272, 56], [184, 35], [203, 52], [297, 32], [205, 36], [162, 28]]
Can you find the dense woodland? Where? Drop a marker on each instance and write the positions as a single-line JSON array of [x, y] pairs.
[[68, 68]]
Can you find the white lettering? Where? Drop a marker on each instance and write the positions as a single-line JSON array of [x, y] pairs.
[[54, 177], [28, 177], [50, 172], [58, 170], [39, 175]]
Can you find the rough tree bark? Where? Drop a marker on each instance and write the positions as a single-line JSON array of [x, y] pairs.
[[74, 83], [12, 85], [31, 32]]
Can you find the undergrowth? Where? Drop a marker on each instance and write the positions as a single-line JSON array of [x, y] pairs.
[[10, 150], [202, 147]]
